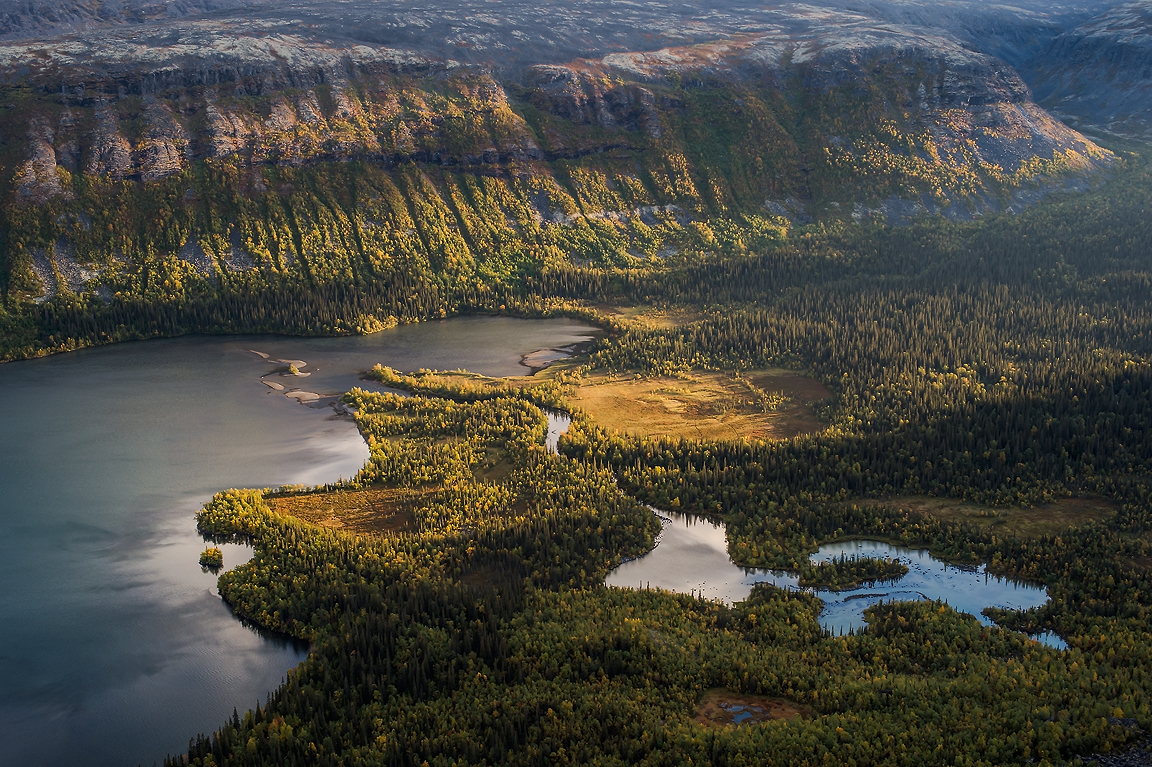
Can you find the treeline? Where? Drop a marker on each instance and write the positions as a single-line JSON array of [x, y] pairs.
[[220, 246]]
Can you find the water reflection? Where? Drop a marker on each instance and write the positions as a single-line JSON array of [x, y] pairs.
[[558, 424], [115, 646], [235, 554], [691, 557]]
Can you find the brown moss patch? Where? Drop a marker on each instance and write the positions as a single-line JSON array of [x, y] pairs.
[[720, 707], [375, 511], [704, 405], [1049, 519], [494, 467], [1142, 563]]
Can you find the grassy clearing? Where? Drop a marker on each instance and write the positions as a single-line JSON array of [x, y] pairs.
[[375, 511], [650, 316], [764, 404], [1034, 522], [720, 707]]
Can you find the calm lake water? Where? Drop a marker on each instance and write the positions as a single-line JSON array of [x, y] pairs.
[[691, 557], [114, 646]]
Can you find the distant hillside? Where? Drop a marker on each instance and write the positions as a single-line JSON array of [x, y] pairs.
[[1101, 71], [22, 19]]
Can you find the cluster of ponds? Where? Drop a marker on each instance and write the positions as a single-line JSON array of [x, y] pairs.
[[691, 557]]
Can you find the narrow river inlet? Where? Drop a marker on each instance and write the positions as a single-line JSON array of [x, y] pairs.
[[115, 648], [691, 557]]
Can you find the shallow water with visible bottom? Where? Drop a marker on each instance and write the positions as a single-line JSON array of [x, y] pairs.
[[691, 557], [115, 648]]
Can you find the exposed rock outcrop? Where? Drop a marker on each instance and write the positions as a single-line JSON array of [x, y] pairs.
[[588, 96], [39, 179], [227, 132], [110, 153], [165, 148]]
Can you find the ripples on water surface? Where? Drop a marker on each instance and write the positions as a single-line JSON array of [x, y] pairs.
[[691, 557], [114, 646]]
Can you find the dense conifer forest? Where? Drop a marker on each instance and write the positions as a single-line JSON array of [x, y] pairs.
[[1003, 361]]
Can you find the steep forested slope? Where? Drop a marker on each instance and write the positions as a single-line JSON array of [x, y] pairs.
[[207, 164]]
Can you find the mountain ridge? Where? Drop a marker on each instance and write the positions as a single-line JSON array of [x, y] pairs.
[[237, 137]]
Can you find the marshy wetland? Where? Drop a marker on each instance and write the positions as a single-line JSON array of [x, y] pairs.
[[757, 404]]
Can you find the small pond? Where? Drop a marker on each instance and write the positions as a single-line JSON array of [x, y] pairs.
[[558, 424], [691, 557]]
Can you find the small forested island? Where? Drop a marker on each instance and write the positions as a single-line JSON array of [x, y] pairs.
[[844, 573], [879, 274], [212, 558]]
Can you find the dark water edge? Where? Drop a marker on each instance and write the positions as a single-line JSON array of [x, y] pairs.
[[115, 647]]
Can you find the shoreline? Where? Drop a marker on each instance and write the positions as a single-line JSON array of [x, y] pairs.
[[603, 322]]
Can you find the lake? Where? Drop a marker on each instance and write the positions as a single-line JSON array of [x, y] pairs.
[[115, 648], [691, 557]]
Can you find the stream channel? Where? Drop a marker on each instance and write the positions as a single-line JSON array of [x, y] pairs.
[[691, 557], [115, 647]]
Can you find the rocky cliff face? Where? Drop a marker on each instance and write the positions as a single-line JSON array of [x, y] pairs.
[[684, 114], [955, 106], [289, 101]]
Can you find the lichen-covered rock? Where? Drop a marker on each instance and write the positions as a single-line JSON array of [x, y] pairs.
[[591, 97], [282, 117], [45, 274], [110, 153], [308, 107], [227, 132]]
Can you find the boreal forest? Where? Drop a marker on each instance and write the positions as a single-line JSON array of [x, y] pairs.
[[1002, 362], [844, 292]]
